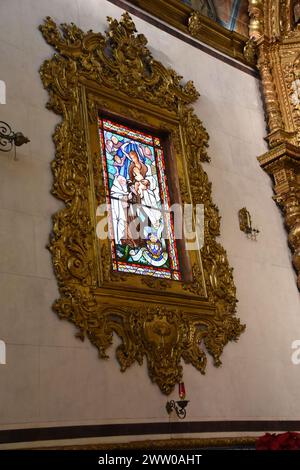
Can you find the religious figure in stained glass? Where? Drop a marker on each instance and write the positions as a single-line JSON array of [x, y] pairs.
[[141, 224]]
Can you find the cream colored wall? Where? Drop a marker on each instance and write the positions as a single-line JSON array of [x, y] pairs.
[[51, 378]]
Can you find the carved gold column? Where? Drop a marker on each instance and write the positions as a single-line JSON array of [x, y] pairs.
[[256, 18], [283, 164], [275, 34]]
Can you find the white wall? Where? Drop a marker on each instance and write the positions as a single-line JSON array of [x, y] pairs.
[[51, 378]]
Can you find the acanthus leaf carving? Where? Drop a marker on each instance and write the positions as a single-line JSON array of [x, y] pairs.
[[120, 61], [218, 334], [196, 286], [278, 62]]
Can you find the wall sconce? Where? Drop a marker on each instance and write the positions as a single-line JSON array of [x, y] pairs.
[[9, 138], [180, 405], [246, 224]]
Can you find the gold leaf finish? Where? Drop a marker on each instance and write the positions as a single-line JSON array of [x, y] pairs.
[[283, 165], [164, 444], [278, 50], [162, 321], [182, 17], [256, 24]]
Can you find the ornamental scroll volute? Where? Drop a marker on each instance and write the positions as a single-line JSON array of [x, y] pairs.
[[161, 320], [275, 29]]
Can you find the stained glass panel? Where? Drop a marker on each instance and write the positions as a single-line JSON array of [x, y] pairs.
[[141, 225]]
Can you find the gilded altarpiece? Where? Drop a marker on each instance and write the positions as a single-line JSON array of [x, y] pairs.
[[111, 78], [275, 38]]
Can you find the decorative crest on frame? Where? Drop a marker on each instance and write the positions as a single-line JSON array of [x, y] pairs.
[[162, 321]]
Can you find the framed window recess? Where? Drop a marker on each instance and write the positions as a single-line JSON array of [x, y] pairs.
[[128, 150]]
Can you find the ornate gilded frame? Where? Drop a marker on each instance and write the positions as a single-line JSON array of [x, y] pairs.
[[162, 320]]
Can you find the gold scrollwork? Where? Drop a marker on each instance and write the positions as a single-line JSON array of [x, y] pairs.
[[278, 51], [256, 8], [92, 73]]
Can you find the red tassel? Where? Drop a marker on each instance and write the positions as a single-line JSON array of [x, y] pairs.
[[181, 390]]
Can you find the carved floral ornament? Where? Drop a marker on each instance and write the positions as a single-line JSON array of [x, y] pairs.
[[161, 320], [275, 33]]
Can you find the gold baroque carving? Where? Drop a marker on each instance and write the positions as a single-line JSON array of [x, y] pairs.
[[183, 17], [199, 27], [195, 23], [195, 286], [156, 283], [278, 49], [256, 18], [164, 444], [283, 164], [250, 53], [92, 73]]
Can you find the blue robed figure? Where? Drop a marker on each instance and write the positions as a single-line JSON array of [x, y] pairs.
[[123, 152]]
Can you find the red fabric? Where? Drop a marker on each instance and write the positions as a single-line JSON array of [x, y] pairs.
[[284, 441]]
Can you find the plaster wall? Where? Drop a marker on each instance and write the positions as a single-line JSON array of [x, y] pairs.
[[50, 377]]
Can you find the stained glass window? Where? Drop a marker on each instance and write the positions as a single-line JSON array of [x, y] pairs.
[[141, 226]]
